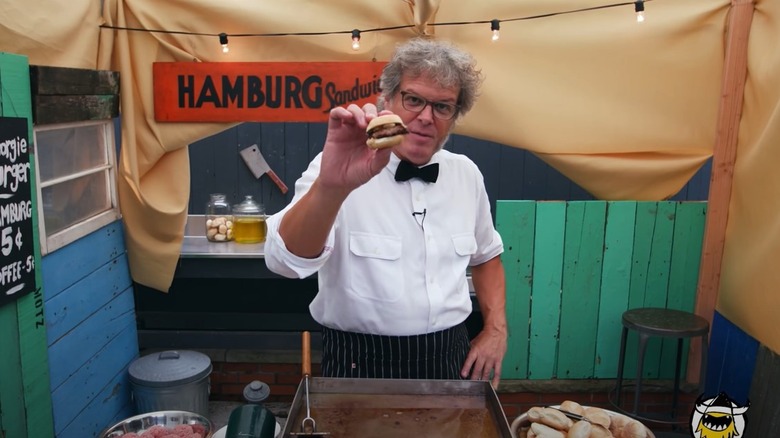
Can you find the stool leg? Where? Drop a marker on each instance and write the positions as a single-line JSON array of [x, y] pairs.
[[677, 376], [621, 362], [640, 361]]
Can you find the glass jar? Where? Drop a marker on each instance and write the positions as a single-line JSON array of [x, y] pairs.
[[219, 220], [249, 221]]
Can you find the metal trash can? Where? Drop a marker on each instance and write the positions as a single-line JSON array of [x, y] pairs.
[[171, 380]]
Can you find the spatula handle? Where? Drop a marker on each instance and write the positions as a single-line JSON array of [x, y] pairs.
[[306, 354]]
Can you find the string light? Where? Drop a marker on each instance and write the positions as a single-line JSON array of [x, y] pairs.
[[224, 42], [355, 39], [495, 26], [639, 7]]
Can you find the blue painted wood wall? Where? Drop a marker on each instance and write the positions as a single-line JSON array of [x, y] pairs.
[[732, 360], [91, 328]]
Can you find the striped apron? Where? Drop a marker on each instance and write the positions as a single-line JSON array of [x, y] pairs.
[[437, 355]]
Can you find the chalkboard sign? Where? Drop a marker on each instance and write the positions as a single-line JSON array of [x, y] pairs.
[[17, 265]]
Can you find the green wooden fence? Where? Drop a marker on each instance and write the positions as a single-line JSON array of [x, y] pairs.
[[573, 268]]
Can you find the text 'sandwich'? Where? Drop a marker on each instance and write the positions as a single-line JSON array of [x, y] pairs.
[[385, 131]]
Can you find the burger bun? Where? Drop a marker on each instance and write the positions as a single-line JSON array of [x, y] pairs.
[[387, 119], [376, 124]]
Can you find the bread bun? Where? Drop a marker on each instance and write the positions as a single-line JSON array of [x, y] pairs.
[[385, 131]]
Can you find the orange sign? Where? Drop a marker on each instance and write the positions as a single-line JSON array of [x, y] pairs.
[[260, 91]]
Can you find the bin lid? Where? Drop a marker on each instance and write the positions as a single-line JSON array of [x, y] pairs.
[[169, 368]]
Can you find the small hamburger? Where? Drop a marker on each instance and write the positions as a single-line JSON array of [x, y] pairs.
[[385, 131]]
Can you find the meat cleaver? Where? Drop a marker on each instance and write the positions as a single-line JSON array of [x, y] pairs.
[[256, 162]]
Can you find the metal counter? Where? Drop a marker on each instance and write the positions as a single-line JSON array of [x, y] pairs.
[[196, 245], [201, 258]]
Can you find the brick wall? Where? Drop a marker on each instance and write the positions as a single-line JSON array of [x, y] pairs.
[[228, 379]]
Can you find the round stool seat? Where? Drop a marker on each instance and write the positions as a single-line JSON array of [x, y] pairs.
[[665, 322]]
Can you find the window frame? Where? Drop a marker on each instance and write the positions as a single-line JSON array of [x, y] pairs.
[[55, 241]]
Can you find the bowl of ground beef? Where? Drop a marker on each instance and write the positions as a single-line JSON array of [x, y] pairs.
[[162, 424]]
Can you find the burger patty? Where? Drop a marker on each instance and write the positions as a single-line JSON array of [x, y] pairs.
[[388, 131]]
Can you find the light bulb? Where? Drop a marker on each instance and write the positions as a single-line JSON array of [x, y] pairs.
[[494, 27], [639, 8], [223, 41], [355, 39]]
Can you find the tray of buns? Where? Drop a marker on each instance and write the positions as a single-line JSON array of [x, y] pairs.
[[573, 420]]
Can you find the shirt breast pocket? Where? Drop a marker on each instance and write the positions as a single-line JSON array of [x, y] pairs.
[[376, 271], [465, 245]]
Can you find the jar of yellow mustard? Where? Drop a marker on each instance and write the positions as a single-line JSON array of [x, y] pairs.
[[249, 221]]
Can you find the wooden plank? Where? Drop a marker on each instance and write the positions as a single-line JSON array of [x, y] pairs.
[[85, 340], [317, 134], [47, 80], [546, 293], [110, 403], [246, 136], [731, 361], [615, 285], [260, 91], [534, 178], [683, 273], [11, 389], [35, 362], [658, 278], [31, 341], [686, 255], [272, 146], [85, 383], [69, 264], [724, 156], [583, 256], [64, 109], [69, 309], [515, 221], [12, 104], [296, 158], [510, 185], [640, 261], [660, 255]]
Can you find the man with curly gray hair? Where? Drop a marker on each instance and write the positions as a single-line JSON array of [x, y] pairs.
[[392, 232]]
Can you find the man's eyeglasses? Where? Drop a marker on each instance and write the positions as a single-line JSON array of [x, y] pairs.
[[416, 104]]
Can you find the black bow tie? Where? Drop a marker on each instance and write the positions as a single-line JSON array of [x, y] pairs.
[[407, 171]]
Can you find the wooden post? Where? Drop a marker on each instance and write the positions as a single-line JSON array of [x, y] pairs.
[[25, 393], [724, 155]]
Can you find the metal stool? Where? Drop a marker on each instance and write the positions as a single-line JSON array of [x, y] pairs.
[[667, 323]]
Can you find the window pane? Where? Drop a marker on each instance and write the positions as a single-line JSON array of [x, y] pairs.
[[73, 201], [68, 150]]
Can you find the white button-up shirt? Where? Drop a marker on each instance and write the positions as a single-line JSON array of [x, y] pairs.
[[395, 260]]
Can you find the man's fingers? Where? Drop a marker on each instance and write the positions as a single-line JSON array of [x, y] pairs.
[[465, 372]]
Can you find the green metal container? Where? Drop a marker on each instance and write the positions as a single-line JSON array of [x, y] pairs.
[[251, 421]]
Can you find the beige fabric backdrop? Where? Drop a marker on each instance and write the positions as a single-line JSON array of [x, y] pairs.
[[626, 110]]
